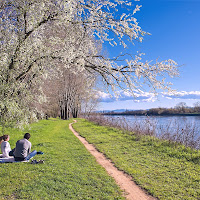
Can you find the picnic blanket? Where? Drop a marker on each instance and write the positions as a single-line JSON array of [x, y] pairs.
[[10, 159]]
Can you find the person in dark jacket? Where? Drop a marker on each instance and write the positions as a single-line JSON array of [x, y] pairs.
[[22, 150]]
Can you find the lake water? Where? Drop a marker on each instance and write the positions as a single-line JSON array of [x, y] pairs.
[[162, 123]]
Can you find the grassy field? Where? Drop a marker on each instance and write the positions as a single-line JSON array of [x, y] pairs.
[[69, 171], [167, 171]]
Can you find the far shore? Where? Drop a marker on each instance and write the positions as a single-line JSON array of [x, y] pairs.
[[146, 114]]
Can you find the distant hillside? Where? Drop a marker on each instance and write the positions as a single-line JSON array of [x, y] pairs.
[[114, 111]]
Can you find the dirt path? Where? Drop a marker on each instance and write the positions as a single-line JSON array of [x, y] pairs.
[[131, 190]]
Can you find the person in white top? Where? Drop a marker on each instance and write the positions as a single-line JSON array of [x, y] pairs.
[[5, 146]]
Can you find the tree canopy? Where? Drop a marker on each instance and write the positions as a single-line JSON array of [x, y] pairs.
[[39, 36]]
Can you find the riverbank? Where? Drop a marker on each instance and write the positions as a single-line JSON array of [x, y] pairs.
[[165, 170], [178, 129]]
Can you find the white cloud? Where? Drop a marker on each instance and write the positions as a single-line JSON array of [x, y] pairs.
[[182, 95], [140, 96], [103, 95], [137, 96]]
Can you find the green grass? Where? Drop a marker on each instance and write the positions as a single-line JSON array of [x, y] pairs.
[[167, 171], [69, 171]]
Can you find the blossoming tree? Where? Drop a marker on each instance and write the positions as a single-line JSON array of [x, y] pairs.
[[39, 36]]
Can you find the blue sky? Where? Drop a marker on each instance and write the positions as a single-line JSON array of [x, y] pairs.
[[175, 33]]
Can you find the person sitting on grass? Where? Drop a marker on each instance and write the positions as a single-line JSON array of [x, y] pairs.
[[22, 150], [5, 146]]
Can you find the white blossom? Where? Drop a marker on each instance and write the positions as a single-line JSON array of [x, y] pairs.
[[39, 36]]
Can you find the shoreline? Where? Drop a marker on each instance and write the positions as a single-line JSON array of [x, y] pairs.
[[182, 114]]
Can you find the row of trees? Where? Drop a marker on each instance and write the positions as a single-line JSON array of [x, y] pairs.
[[180, 108], [68, 94], [57, 45]]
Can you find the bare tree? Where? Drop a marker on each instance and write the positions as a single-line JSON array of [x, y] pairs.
[[67, 93], [197, 107], [181, 107], [90, 103]]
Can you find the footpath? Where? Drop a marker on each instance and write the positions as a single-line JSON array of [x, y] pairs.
[[131, 190]]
